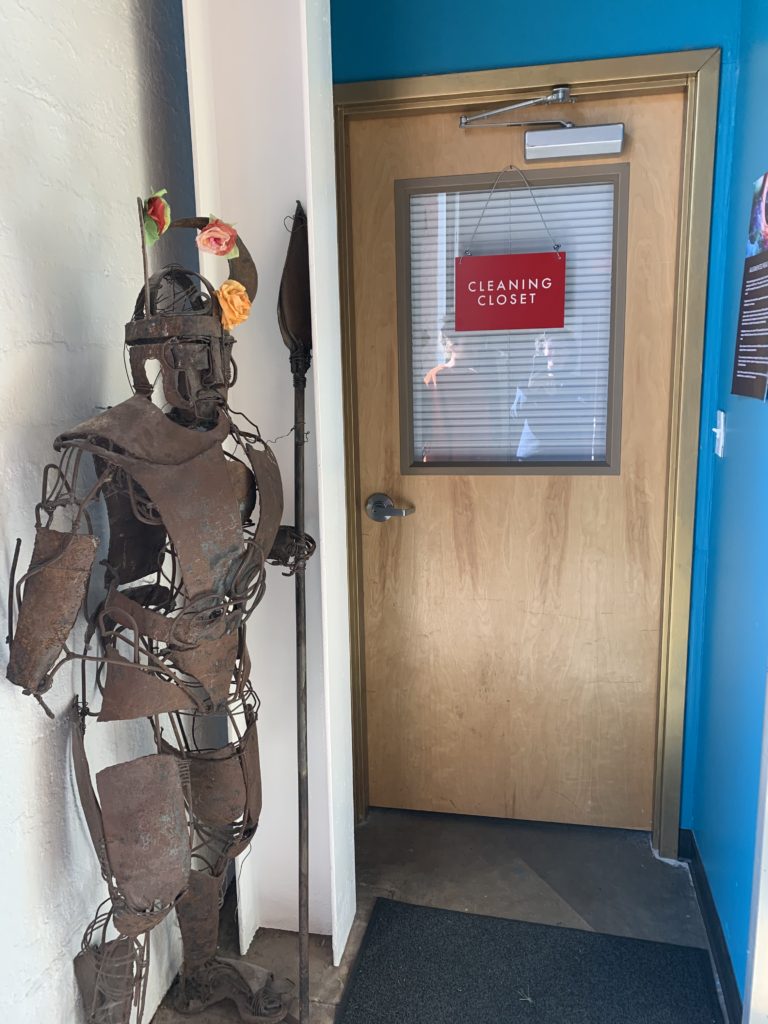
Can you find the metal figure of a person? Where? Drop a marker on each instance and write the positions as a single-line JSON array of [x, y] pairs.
[[193, 503]]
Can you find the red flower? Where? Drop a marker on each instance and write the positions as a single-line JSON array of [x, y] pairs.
[[157, 216], [156, 208]]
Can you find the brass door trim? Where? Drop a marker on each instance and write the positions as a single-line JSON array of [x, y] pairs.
[[352, 475], [698, 73]]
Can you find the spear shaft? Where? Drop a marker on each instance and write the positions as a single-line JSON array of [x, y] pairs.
[[299, 435], [295, 319]]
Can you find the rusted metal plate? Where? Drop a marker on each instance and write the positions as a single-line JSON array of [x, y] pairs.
[[270, 488], [212, 663], [134, 692], [134, 923], [146, 829], [183, 629], [134, 546], [197, 505], [53, 593], [198, 914], [144, 432], [252, 777], [155, 328], [201, 515], [226, 783], [218, 786], [121, 608], [244, 487], [88, 801], [106, 976], [258, 997], [252, 771]]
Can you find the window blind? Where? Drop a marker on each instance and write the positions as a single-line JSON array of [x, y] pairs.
[[519, 396]]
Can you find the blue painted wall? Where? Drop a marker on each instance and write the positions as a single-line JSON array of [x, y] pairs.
[[727, 683], [429, 37], [729, 622]]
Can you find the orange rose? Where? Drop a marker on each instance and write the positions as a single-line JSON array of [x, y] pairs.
[[218, 238], [234, 302]]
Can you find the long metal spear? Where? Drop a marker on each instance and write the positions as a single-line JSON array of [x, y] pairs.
[[295, 320]]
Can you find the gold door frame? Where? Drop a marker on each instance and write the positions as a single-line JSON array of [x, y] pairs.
[[697, 72]]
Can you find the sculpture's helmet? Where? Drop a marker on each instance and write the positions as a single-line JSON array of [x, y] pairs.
[[178, 327]]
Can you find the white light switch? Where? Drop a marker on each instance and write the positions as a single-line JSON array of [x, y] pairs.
[[719, 432]]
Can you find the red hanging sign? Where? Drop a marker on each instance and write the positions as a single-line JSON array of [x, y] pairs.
[[523, 291]]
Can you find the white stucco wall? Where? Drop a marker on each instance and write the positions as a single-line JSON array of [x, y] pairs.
[[262, 138], [93, 112]]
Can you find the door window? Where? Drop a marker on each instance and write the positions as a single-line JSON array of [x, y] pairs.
[[538, 399]]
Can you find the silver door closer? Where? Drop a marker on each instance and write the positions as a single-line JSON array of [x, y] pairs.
[[546, 143]]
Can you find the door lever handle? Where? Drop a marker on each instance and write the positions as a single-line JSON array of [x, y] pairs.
[[380, 508]]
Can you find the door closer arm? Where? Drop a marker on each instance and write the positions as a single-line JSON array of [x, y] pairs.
[[559, 94]]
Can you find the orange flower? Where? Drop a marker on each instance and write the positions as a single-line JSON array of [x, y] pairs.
[[234, 302]]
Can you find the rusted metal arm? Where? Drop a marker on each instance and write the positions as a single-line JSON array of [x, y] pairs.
[[51, 592], [292, 549]]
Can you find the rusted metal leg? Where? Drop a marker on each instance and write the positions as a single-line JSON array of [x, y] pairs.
[[224, 806], [207, 979], [106, 976], [141, 837]]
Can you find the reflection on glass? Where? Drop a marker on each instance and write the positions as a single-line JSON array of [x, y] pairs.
[[518, 396]]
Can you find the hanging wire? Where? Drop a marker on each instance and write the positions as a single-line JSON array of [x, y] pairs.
[[512, 167]]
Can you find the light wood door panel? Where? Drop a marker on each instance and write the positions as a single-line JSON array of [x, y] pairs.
[[512, 625]]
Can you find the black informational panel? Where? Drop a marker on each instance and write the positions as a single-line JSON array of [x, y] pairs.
[[750, 363]]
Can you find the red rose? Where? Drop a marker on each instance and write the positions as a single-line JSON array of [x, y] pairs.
[[157, 216], [156, 208]]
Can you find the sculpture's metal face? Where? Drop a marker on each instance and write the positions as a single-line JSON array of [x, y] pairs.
[[202, 371], [196, 377], [180, 329]]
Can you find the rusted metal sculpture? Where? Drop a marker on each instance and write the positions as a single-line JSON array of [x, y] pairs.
[[194, 502]]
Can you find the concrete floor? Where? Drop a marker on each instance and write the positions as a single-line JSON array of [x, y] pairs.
[[599, 880]]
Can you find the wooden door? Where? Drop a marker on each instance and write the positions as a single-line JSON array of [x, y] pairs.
[[512, 624]]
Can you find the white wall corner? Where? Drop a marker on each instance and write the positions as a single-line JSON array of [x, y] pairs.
[[262, 128], [324, 264]]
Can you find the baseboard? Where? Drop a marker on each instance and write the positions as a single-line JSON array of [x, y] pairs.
[[689, 851]]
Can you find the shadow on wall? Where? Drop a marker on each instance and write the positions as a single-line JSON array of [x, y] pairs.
[[97, 113], [165, 127]]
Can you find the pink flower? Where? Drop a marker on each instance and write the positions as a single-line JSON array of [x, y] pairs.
[[218, 238]]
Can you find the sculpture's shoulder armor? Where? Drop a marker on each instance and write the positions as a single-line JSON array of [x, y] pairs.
[[194, 490], [138, 429]]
